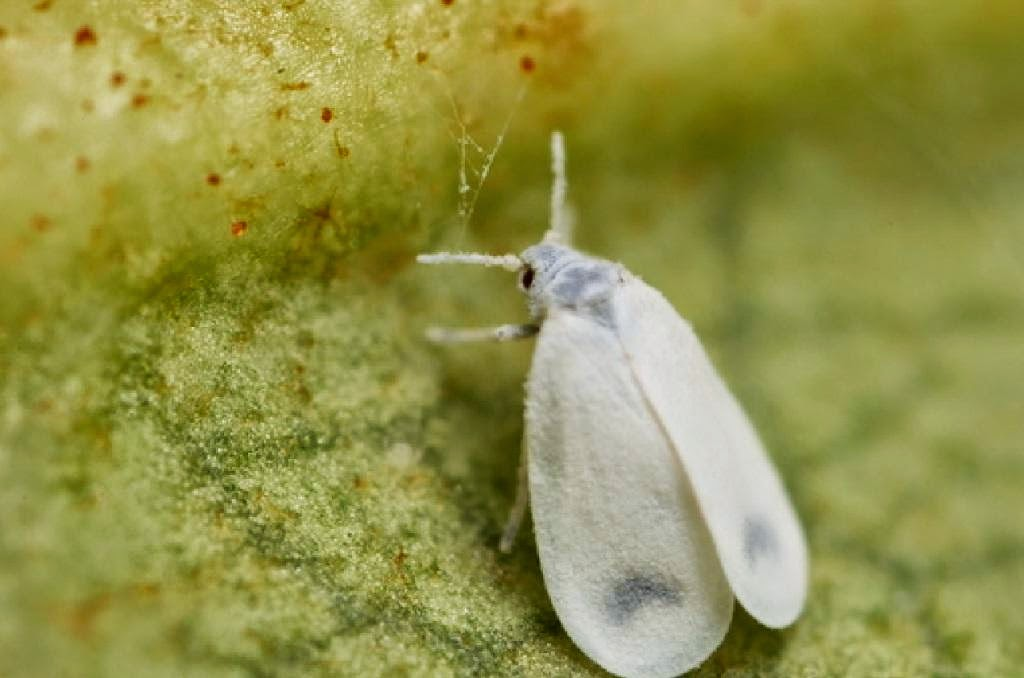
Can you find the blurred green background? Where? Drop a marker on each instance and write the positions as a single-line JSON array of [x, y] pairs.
[[225, 450]]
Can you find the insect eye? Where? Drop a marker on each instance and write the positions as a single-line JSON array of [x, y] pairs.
[[526, 279]]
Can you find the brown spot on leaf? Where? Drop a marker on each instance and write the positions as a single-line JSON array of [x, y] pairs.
[[391, 46], [295, 86], [239, 228], [139, 100], [323, 212], [521, 32], [3, 32], [447, 3], [421, 56], [326, 114], [85, 37], [40, 223], [42, 5], [527, 64], [213, 179], [146, 590], [80, 619], [82, 164], [342, 150], [117, 79], [751, 8], [88, 106]]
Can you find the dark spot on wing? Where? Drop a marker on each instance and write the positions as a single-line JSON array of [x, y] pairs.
[[636, 591], [758, 540]]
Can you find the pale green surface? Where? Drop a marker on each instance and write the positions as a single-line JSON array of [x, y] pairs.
[[234, 456]]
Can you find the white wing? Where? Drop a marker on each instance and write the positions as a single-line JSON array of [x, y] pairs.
[[755, 529], [627, 559]]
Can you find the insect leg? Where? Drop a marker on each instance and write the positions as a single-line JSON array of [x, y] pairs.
[[515, 516], [447, 335]]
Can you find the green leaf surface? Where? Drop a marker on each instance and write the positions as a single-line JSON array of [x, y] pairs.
[[225, 449]]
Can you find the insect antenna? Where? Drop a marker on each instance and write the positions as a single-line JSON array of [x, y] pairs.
[[509, 262], [560, 226]]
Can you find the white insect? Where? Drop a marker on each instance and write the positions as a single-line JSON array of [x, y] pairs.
[[653, 501]]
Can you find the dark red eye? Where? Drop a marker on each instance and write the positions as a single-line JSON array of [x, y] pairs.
[[527, 278]]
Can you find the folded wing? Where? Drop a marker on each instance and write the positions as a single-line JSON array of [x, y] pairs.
[[755, 529], [627, 559]]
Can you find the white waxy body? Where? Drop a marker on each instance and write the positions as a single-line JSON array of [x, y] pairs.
[[653, 500], [628, 563]]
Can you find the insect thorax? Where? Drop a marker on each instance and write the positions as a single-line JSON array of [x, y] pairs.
[[565, 278]]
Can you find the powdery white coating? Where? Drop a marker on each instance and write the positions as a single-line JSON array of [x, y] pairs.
[[653, 500]]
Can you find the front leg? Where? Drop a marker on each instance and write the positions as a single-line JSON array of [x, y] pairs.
[[447, 335]]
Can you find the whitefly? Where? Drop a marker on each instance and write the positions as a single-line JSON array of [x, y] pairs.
[[654, 502]]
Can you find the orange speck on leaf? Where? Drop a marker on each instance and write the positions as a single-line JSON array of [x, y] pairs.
[[117, 79], [213, 179], [139, 100], [527, 64], [326, 114], [751, 8], [82, 164], [85, 37], [295, 86], [391, 46], [343, 150], [447, 3], [239, 228], [81, 618], [40, 222]]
